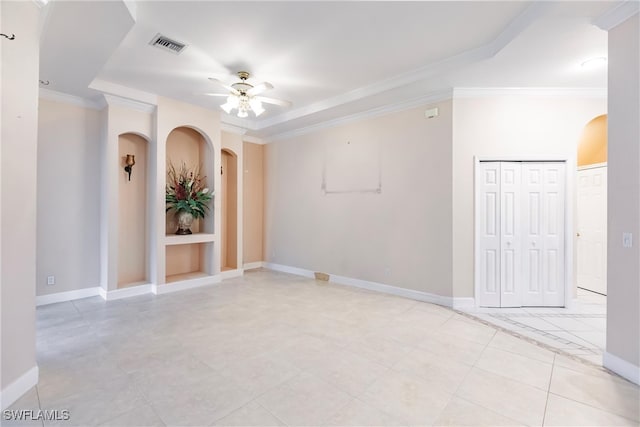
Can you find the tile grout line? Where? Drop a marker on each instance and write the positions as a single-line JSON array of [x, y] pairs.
[[546, 403]]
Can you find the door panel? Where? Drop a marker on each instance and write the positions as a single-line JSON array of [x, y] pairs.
[[532, 211], [552, 226], [510, 270], [592, 229], [489, 238]]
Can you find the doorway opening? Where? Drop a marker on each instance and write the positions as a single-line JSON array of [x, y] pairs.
[[229, 220]]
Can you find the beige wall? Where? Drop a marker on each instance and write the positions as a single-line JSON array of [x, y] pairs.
[[623, 271], [18, 161], [401, 236], [229, 200], [68, 197], [253, 202], [512, 125], [132, 207]]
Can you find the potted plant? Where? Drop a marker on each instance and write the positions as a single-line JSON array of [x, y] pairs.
[[187, 195]]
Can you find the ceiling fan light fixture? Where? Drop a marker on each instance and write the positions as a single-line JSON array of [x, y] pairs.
[[242, 114], [233, 101], [227, 107], [256, 106]]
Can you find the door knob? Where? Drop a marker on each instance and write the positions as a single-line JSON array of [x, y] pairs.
[[578, 234]]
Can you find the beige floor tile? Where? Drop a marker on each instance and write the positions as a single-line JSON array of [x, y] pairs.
[[439, 372], [23, 412], [462, 327], [519, 368], [460, 412], [406, 397], [512, 399], [142, 416], [304, 400], [358, 413], [504, 341], [458, 349], [250, 415], [378, 349], [566, 412], [607, 393], [183, 410]]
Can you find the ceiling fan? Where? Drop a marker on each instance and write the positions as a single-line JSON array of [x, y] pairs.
[[244, 96]]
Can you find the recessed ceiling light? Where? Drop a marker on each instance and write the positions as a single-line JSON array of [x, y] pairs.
[[594, 62]]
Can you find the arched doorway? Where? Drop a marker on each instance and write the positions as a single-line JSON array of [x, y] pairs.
[[229, 220], [592, 207]]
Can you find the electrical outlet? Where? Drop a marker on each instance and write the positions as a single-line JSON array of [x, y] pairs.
[[627, 240], [51, 280]]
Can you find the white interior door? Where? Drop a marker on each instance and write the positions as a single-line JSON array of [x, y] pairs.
[[592, 229], [489, 234], [521, 234], [511, 234]]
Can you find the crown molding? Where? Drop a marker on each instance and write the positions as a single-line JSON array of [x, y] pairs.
[[480, 92], [617, 15], [374, 112], [483, 52], [253, 140], [118, 101], [226, 127], [124, 92], [65, 98]]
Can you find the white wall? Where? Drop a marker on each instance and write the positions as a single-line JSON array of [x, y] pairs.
[[400, 237], [19, 117], [623, 273], [68, 229], [507, 125]]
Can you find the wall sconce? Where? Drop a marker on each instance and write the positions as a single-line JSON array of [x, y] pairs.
[[129, 162]]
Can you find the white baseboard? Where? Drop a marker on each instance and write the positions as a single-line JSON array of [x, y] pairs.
[[67, 296], [145, 288], [253, 265], [229, 274], [291, 270], [14, 391], [185, 284], [621, 367], [379, 287]]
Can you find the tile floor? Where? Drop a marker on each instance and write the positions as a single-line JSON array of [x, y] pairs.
[[580, 330], [271, 349]]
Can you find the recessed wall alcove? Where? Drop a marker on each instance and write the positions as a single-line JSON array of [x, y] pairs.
[[229, 217], [133, 253], [190, 257]]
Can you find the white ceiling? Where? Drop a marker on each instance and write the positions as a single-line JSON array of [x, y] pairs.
[[331, 59]]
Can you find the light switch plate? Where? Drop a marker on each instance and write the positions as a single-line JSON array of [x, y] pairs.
[[627, 240], [51, 280]]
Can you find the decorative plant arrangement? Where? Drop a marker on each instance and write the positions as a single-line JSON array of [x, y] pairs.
[[187, 195]]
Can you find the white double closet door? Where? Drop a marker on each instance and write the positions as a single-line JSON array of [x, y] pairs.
[[521, 234]]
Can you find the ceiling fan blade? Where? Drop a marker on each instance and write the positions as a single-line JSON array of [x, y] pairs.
[[274, 101], [259, 88], [216, 94], [226, 86]]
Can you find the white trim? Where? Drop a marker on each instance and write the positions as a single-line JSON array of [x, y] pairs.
[[433, 97], [379, 287], [229, 274], [593, 166], [253, 265], [291, 270], [621, 367], [14, 391], [67, 296], [65, 98], [570, 165], [141, 289], [118, 101], [617, 15], [123, 91], [253, 139], [41, 3], [226, 127], [185, 284], [479, 92]]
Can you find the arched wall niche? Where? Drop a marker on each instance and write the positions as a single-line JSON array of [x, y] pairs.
[[192, 147], [229, 204], [133, 227], [592, 147]]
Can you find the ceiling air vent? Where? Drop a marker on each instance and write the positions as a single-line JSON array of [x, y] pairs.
[[167, 44]]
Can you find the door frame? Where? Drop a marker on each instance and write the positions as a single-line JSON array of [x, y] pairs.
[[569, 231]]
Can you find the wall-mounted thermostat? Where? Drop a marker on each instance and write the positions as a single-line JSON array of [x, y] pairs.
[[431, 113]]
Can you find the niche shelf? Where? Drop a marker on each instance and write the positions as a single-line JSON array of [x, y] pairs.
[[189, 238]]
